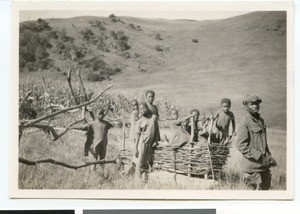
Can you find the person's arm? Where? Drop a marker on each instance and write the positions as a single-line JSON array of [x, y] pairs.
[[137, 139], [183, 119], [243, 143], [107, 109], [214, 116], [83, 127], [233, 125]]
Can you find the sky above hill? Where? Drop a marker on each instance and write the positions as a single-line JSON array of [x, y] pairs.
[[194, 15]]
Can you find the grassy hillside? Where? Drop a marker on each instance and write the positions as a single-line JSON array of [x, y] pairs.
[[192, 63]]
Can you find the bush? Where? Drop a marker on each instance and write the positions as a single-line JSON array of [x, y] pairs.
[[113, 17], [95, 77], [158, 36], [98, 69], [53, 35], [63, 36], [98, 24], [121, 36], [158, 48], [123, 46], [33, 54], [102, 47], [38, 26], [113, 34], [194, 40], [87, 34], [131, 25]]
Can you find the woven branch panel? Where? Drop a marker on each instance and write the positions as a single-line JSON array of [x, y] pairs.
[[187, 160]]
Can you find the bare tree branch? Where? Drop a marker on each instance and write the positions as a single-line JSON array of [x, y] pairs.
[[70, 86], [84, 92], [81, 83], [55, 162], [31, 122], [69, 127]]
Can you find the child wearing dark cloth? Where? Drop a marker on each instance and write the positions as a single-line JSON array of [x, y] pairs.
[[179, 136], [222, 120], [146, 137], [150, 96]]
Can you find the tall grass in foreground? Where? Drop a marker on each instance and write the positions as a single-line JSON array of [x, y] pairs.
[[69, 149]]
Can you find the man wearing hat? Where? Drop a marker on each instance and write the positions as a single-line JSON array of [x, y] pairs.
[[251, 141]]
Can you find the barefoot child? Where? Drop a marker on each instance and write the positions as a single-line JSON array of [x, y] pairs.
[[223, 119], [146, 137], [96, 136], [179, 136]]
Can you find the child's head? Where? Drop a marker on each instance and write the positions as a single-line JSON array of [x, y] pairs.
[[99, 112], [174, 114], [185, 123], [252, 103], [143, 109], [150, 96], [196, 114], [226, 104], [134, 104]]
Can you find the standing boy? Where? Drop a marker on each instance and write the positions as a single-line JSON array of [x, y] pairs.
[[96, 136], [146, 137], [150, 96], [223, 119], [251, 141]]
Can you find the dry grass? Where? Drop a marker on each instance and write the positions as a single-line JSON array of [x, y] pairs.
[[38, 145]]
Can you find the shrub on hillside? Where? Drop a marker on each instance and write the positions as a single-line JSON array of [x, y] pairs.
[[114, 18], [131, 25], [158, 48], [121, 36], [97, 24], [102, 47], [38, 26], [98, 69], [195, 40], [53, 34], [158, 36], [33, 54], [64, 37], [95, 77], [123, 46], [114, 34], [87, 34]]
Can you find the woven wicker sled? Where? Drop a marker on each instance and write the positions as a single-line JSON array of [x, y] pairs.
[[203, 159]]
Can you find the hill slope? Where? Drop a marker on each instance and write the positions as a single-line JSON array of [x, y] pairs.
[[231, 57]]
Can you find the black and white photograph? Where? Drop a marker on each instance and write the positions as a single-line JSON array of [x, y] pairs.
[[153, 101]]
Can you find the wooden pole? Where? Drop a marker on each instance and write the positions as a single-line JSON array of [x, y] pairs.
[[191, 145], [123, 136], [208, 143]]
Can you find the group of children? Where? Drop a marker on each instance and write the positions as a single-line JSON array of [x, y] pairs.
[[251, 138], [145, 134]]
